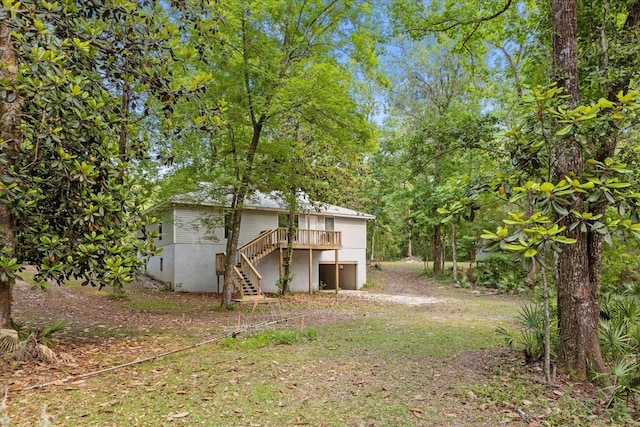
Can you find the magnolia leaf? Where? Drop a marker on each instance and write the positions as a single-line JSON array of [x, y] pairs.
[[609, 197], [447, 219], [559, 208], [547, 186], [604, 103], [530, 253], [487, 235], [593, 197], [514, 247], [565, 130], [618, 184], [564, 239], [587, 185]]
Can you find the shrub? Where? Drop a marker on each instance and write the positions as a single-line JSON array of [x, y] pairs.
[[620, 340], [528, 337], [502, 271], [619, 264]]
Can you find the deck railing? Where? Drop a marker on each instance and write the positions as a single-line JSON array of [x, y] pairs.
[[312, 238], [272, 239]]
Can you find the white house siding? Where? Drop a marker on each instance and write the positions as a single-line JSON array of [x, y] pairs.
[[166, 260], [269, 269], [198, 225], [354, 240], [354, 232], [300, 282], [195, 267], [165, 219], [255, 222]]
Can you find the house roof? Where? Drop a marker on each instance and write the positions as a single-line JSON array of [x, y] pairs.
[[270, 201]]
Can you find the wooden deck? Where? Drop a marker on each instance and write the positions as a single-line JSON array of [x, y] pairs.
[[248, 281], [312, 239]]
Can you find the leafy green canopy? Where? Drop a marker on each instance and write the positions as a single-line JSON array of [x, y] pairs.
[[66, 184], [277, 76], [603, 182]]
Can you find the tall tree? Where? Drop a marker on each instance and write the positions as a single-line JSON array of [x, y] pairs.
[[313, 163], [437, 101], [579, 265], [272, 62], [66, 201], [578, 291], [605, 34]]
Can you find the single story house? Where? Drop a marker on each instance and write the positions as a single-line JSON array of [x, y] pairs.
[[192, 235]]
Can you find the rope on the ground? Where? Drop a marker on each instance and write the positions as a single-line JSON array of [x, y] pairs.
[[233, 334]]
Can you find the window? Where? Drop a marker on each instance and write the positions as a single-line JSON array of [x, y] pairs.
[[227, 224], [160, 231], [283, 220], [161, 263], [329, 224]]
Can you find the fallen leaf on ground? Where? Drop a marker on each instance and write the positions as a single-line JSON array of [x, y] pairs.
[[171, 417]]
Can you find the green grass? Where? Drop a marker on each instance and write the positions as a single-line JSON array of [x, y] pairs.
[[269, 338], [373, 365], [349, 373]]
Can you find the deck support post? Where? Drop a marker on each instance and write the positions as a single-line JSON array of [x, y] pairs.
[[337, 272], [310, 270]]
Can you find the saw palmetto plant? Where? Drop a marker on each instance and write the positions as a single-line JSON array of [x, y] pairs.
[[20, 345]]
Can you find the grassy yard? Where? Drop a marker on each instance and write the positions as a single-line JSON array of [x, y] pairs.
[[354, 362]]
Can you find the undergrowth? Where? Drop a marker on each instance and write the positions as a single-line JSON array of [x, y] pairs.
[[270, 338]]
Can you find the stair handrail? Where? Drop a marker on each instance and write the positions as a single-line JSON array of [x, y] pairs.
[[255, 246], [250, 271], [238, 280]]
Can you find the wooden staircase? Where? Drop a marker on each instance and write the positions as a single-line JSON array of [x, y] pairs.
[[246, 278], [248, 282]]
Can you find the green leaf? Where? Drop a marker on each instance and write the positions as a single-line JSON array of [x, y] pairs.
[[514, 247], [564, 239], [565, 130], [547, 186]]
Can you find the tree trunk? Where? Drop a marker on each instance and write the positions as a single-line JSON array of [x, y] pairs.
[[373, 243], [237, 205], [531, 276], [7, 284], [244, 171], [454, 252], [9, 138], [288, 256], [410, 235], [232, 244], [578, 305], [437, 251]]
